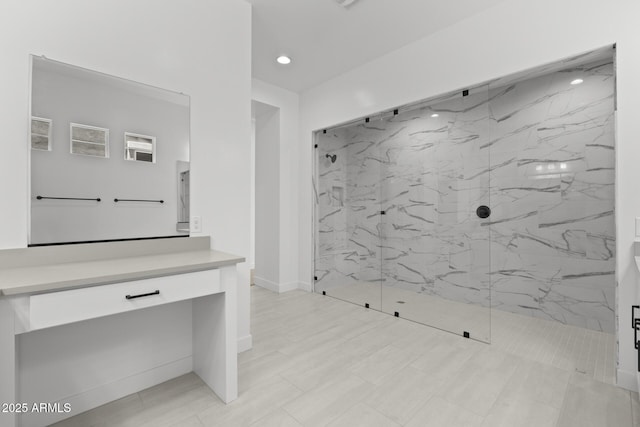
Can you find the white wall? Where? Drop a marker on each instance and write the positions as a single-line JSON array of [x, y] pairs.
[[288, 104], [67, 98], [199, 48], [267, 191], [510, 37], [252, 195]]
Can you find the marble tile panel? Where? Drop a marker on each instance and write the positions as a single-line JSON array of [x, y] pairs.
[[591, 185], [548, 242], [600, 156], [528, 191], [589, 273], [539, 151], [589, 216], [600, 247], [566, 138], [585, 307], [517, 296], [462, 287]]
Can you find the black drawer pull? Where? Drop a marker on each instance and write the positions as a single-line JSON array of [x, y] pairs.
[[157, 292]]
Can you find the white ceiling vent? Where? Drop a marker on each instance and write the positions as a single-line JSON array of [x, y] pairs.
[[345, 3]]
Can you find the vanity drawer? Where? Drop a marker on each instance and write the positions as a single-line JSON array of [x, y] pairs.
[[59, 308]]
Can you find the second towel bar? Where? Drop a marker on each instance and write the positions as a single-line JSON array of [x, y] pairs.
[[138, 200]]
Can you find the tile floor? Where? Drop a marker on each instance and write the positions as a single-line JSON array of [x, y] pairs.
[[318, 361], [569, 347]]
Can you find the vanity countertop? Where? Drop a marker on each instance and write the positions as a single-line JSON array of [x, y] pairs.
[[69, 275]]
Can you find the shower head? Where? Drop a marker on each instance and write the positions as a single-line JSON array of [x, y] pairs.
[[332, 157]]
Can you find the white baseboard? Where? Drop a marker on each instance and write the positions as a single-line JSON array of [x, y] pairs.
[[275, 287], [112, 391], [245, 343], [627, 380], [267, 284]]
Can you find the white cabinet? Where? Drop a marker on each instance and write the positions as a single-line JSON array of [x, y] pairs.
[[59, 308], [212, 297]]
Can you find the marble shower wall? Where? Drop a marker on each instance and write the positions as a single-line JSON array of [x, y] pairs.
[[552, 192], [428, 174], [348, 212], [435, 176], [539, 152]]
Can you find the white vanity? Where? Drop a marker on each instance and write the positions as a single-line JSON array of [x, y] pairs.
[[82, 325]]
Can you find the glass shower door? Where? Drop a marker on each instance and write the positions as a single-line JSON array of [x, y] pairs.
[[347, 216], [434, 234]]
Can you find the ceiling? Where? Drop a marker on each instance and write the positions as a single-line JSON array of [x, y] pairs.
[[325, 40]]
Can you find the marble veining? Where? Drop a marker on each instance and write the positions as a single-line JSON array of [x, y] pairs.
[[538, 151]]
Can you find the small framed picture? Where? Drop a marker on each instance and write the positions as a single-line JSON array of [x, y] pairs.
[[139, 148], [89, 140], [41, 133]]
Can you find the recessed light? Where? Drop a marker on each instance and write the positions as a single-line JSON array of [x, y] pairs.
[[345, 3], [435, 115], [283, 59], [577, 81]]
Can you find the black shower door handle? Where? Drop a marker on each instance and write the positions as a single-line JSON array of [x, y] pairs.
[[483, 211]]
